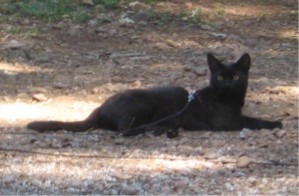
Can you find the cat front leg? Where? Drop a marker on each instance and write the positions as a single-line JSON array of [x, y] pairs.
[[133, 131], [255, 123], [191, 124]]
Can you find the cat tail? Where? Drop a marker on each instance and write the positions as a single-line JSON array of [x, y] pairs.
[[93, 121], [77, 126]]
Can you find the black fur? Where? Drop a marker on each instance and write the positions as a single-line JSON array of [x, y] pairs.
[[216, 107]]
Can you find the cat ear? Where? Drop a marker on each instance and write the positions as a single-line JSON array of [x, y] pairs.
[[244, 61], [213, 63]]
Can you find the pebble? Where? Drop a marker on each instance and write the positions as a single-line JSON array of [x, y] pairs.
[[126, 22], [14, 44], [184, 141], [181, 184], [211, 155], [119, 141], [219, 35], [93, 22], [206, 27], [281, 133], [245, 133], [129, 190], [88, 2], [173, 43], [244, 162], [59, 85], [140, 17], [112, 32], [139, 5], [229, 186], [199, 71], [39, 97]]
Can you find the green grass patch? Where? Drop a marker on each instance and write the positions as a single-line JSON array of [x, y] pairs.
[[54, 10], [110, 4], [21, 30], [194, 16], [151, 1], [51, 10]]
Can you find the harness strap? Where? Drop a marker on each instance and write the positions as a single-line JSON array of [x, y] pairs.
[[191, 96]]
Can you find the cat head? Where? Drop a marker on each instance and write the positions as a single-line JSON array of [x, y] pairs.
[[232, 77]]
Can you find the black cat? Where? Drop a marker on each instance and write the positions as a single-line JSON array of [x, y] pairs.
[[216, 107]]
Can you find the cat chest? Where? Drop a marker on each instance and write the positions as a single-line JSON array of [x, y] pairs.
[[221, 116]]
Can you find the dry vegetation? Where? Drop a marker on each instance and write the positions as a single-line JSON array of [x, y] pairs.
[[64, 69]]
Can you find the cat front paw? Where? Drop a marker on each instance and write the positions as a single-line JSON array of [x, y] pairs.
[[172, 133]]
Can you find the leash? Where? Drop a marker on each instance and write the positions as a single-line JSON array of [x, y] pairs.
[[170, 134]]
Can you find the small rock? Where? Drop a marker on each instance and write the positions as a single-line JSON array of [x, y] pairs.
[[244, 162], [139, 6], [218, 24], [126, 21], [207, 135], [263, 145], [96, 90], [245, 133], [100, 8], [47, 183], [101, 30], [26, 21], [247, 22], [60, 85], [199, 71], [286, 44], [211, 155], [184, 141], [137, 84], [93, 22], [9, 73], [234, 37], [180, 184], [14, 44], [173, 43], [75, 30], [39, 97], [88, 2], [206, 27], [119, 141], [267, 134], [219, 35], [281, 133], [103, 18], [141, 17], [112, 32], [129, 190], [229, 186]]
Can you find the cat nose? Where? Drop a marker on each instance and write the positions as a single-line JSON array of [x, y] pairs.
[[227, 83]]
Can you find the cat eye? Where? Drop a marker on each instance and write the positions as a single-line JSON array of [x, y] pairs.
[[219, 77], [236, 77]]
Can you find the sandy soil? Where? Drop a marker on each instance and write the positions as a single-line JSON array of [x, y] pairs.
[[65, 70]]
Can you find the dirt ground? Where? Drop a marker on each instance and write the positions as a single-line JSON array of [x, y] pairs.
[[64, 70]]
